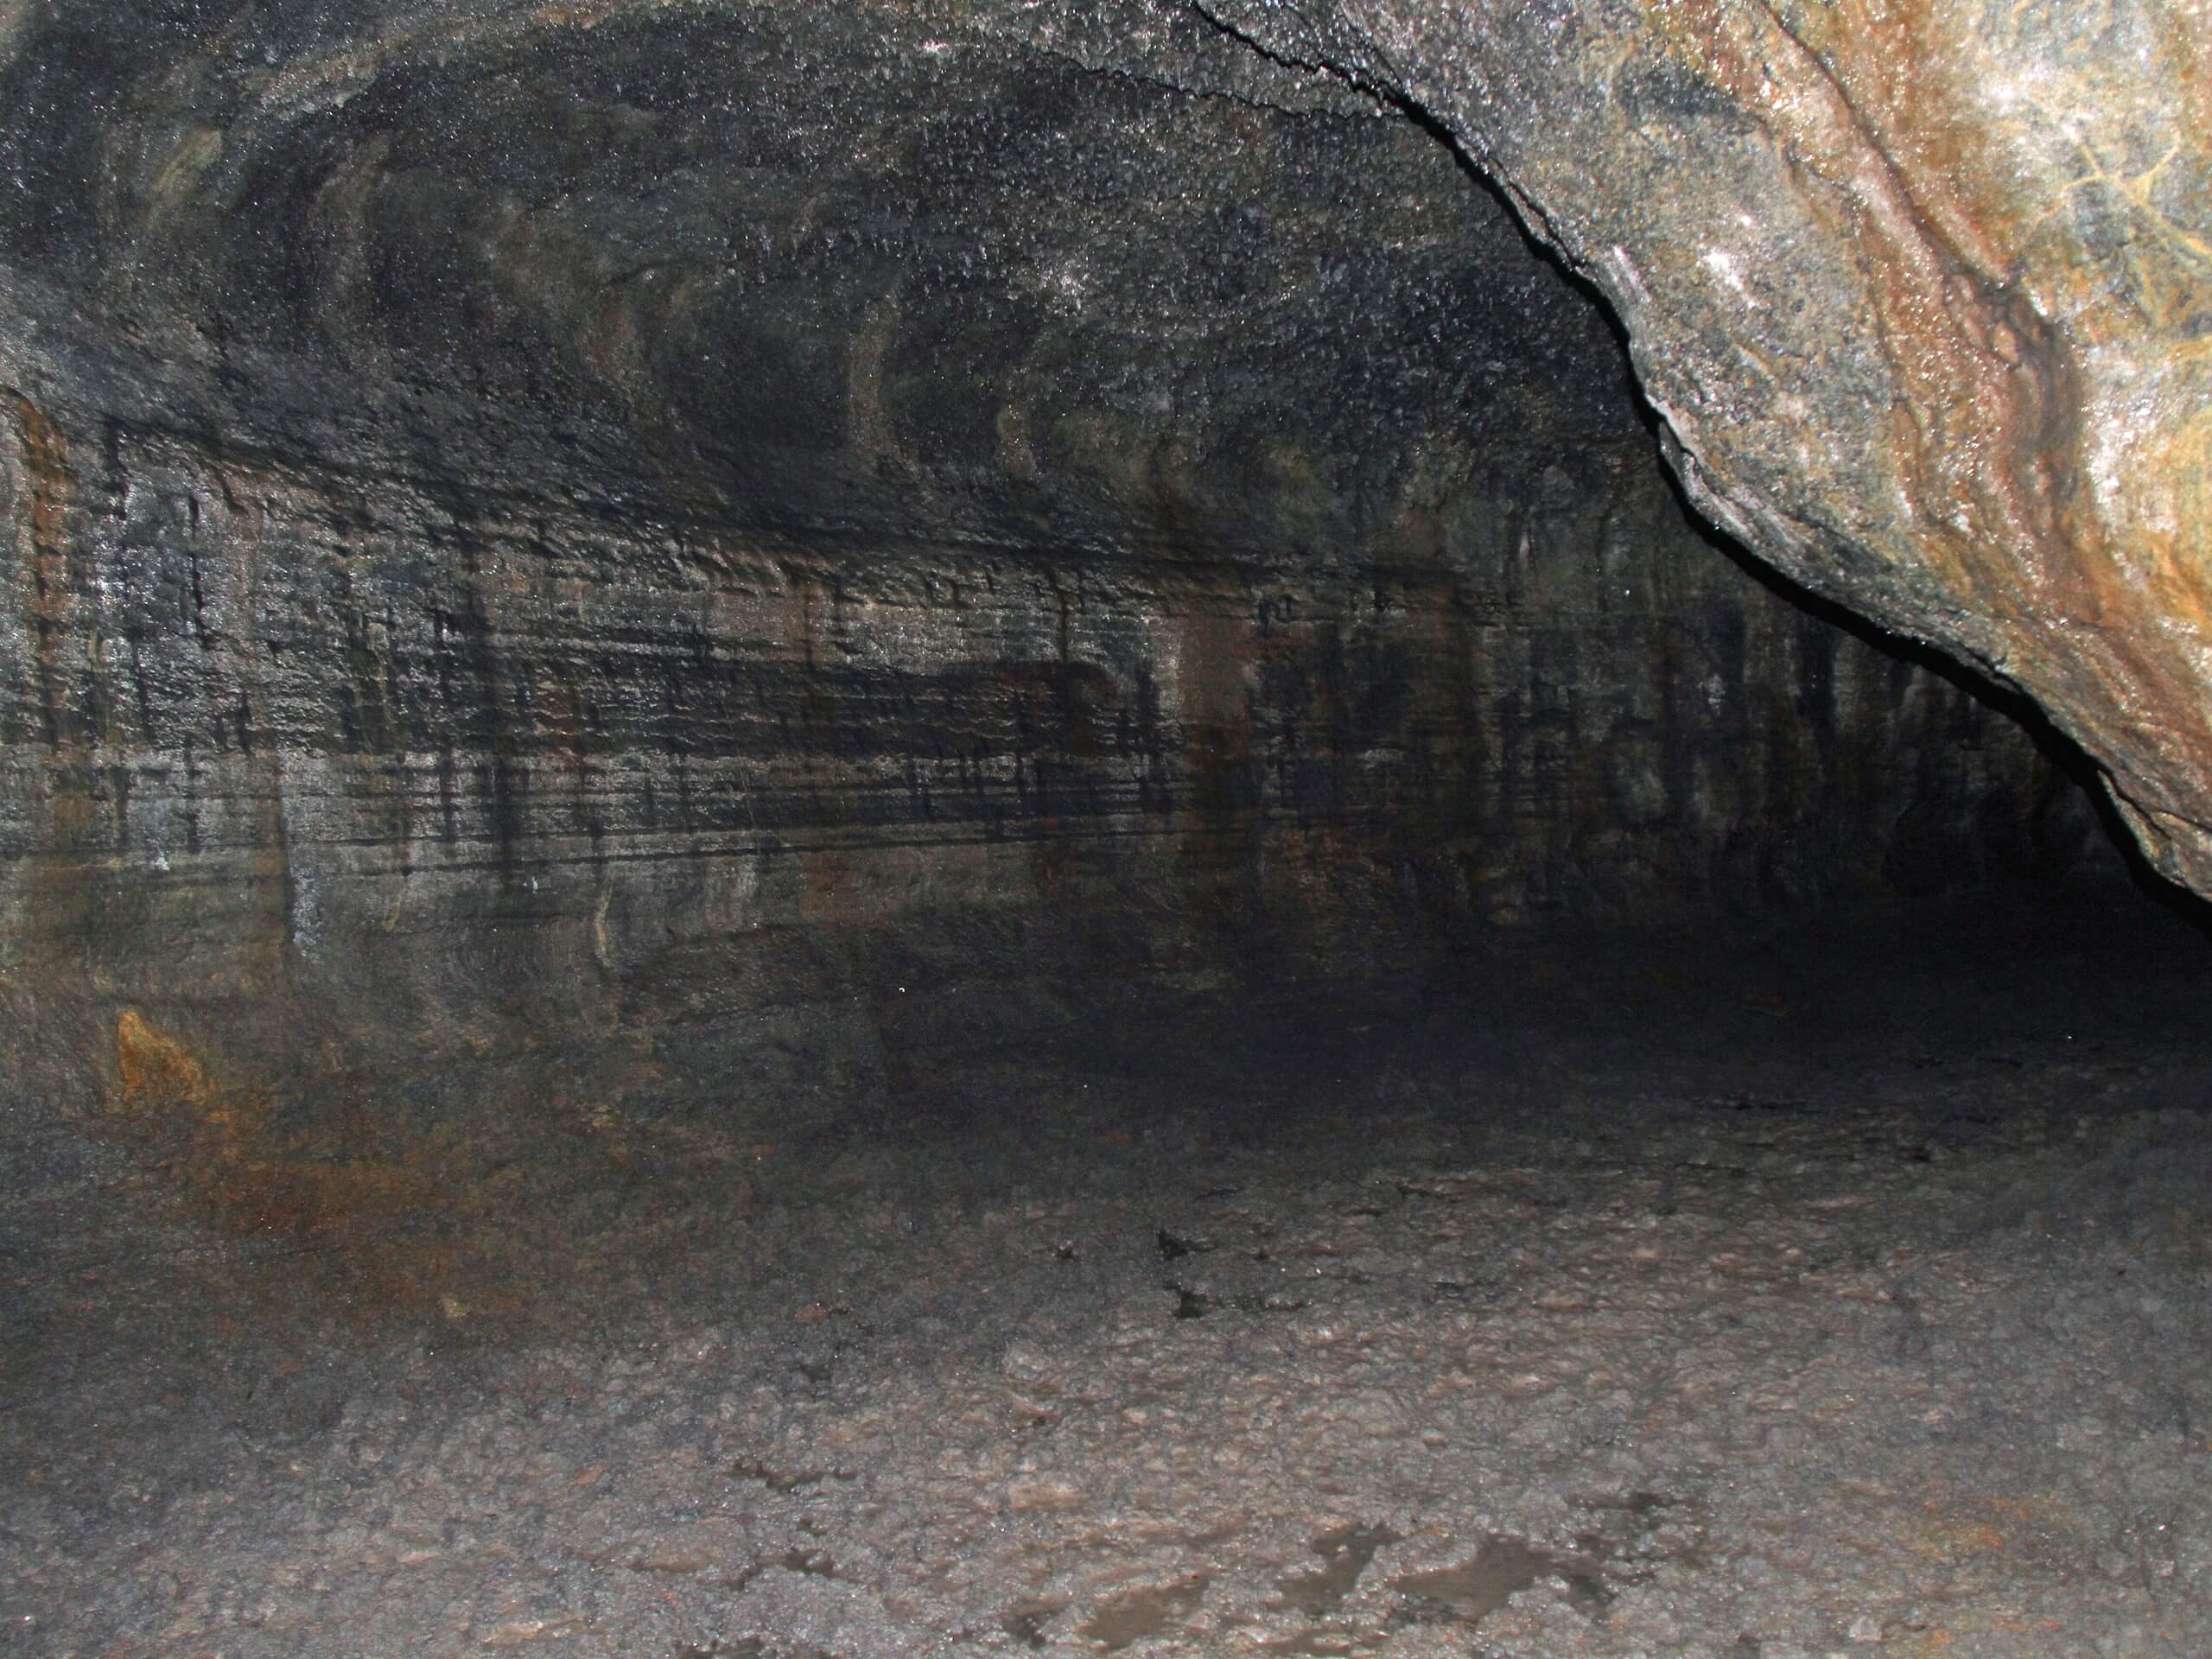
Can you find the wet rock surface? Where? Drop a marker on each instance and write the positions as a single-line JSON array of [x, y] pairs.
[[1827, 1303]]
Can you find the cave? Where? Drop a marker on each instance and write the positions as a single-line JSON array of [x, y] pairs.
[[997, 826]]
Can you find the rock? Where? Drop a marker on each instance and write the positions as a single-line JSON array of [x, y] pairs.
[[754, 551], [1919, 292]]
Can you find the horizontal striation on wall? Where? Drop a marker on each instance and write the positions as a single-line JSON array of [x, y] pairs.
[[397, 716]]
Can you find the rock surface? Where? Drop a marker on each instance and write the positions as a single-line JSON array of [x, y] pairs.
[[1922, 291], [1875, 1329], [783, 540]]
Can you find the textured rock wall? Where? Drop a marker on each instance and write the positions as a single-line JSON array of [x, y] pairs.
[[1921, 290], [763, 543]]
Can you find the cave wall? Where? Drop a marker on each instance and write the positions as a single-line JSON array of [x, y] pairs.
[[1920, 290], [785, 544]]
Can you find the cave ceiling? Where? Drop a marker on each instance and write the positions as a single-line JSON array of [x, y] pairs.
[[855, 272]]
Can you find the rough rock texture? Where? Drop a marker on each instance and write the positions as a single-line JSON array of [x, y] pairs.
[[691, 696], [1923, 291], [1608, 1321], [660, 527]]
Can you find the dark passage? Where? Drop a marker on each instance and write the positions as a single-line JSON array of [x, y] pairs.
[[853, 830]]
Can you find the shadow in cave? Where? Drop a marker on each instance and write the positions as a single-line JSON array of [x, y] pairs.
[[1603, 1292], [2059, 750], [2064, 755]]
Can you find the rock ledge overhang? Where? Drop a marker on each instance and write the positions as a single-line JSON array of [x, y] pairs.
[[1922, 291]]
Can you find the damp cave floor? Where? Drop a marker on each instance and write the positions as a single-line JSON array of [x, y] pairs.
[[1822, 1301]]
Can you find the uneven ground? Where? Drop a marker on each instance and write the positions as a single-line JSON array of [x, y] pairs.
[[1822, 1297]]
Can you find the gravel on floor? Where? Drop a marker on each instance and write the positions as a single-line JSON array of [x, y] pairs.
[[1709, 1322]]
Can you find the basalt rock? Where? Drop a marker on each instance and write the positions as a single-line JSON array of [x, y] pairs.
[[766, 542], [1922, 291]]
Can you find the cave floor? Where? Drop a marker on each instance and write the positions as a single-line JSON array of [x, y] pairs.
[[1815, 1303]]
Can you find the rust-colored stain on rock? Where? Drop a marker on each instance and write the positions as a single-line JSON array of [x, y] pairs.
[[354, 1215], [46, 458], [156, 1071]]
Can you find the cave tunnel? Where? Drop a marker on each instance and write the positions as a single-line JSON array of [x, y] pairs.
[[963, 828]]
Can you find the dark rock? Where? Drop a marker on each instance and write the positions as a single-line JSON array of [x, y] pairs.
[[732, 552], [1919, 292]]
